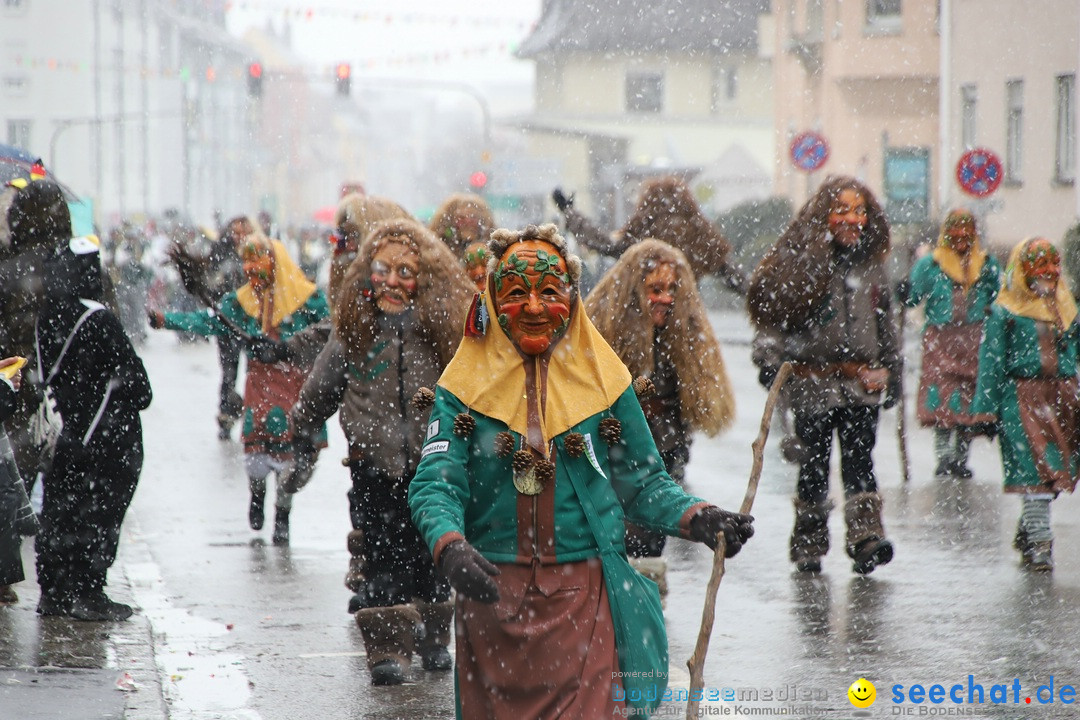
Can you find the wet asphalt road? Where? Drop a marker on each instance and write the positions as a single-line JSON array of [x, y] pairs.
[[244, 630]]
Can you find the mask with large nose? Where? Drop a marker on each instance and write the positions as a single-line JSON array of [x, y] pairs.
[[532, 295]]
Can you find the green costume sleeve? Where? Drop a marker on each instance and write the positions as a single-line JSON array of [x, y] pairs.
[[922, 279], [648, 495], [991, 376], [200, 322], [440, 491]]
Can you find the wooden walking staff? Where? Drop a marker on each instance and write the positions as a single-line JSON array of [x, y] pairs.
[[901, 412], [696, 663]]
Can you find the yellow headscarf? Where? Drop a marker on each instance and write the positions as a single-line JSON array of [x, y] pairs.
[[950, 261], [1017, 297], [289, 291], [584, 376]]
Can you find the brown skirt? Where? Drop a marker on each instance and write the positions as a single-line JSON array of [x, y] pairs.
[[1049, 416], [950, 366], [546, 649]]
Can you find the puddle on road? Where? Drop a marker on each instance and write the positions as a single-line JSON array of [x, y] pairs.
[[200, 679]]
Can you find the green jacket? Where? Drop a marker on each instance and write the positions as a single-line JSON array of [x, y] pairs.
[[1010, 350], [930, 283], [462, 489], [205, 323]]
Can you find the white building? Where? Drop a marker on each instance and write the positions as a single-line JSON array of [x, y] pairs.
[[140, 105]]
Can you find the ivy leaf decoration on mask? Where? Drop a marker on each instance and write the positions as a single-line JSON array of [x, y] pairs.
[[513, 266], [548, 264]]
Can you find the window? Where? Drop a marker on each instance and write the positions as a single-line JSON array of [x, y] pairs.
[[969, 111], [15, 85], [1014, 130], [13, 7], [725, 88], [883, 15], [645, 92], [1065, 149], [18, 133], [815, 20]]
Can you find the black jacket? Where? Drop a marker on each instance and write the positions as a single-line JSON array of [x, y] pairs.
[[101, 385]]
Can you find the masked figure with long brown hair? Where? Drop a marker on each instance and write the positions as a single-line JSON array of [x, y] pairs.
[[648, 309], [821, 299], [401, 307], [1027, 390], [276, 303], [667, 210], [958, 281], [462, 220], [535, 449]]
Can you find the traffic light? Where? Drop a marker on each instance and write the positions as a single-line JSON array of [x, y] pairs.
[[255, 73], [478, 179], [343, 78]]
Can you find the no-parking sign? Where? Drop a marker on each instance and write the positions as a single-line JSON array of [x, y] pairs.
[[809, 151], [979, 172]]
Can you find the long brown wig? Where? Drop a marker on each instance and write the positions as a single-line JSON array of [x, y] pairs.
[[619, 308], [443, 291], [668, 211], [444, 226], [792, 280], [355, 217]]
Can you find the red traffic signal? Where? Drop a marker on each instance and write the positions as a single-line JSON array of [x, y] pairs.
[[255, 73], [478, 179], [343, 78]]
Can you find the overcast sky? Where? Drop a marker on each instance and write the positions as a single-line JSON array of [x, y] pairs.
[[460, 40]]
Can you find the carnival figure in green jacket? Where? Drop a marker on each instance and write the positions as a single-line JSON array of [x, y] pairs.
[[536, 451], [1027, 387], [958, 281]]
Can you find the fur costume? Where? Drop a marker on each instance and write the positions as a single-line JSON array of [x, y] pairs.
[[667, 211], [442, 294], [791, 283], [356, 216], [618, 308], [443, 221]]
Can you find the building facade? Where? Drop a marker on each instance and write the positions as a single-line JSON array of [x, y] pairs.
[[1012, 90], [638, 88], [863, 74], [139, 105]]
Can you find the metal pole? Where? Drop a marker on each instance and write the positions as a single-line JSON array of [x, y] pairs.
[[945, 149]]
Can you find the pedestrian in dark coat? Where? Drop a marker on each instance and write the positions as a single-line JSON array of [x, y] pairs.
[[16, 515], [210, 278], [100, 386]]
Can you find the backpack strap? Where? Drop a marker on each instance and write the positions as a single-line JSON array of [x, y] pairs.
[[90, 310]]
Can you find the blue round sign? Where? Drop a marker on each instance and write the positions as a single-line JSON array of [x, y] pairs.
[[809, 151], [979, 172]]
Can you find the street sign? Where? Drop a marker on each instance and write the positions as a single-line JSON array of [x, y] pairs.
[[979, 172], [809, 151]]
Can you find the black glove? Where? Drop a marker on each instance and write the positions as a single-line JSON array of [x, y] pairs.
[[711, 521], [989, 429], [903, 290], [766, 375], [892, 391], [469, 572], [299, 471], [561, 200], [269, 351]]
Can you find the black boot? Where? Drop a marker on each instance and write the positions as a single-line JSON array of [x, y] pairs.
[[255, 510], [96, 606], [281, 526]]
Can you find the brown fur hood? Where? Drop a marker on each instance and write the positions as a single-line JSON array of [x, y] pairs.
[[792, 280]]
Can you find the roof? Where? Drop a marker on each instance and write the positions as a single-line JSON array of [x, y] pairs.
[[644, 26]]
